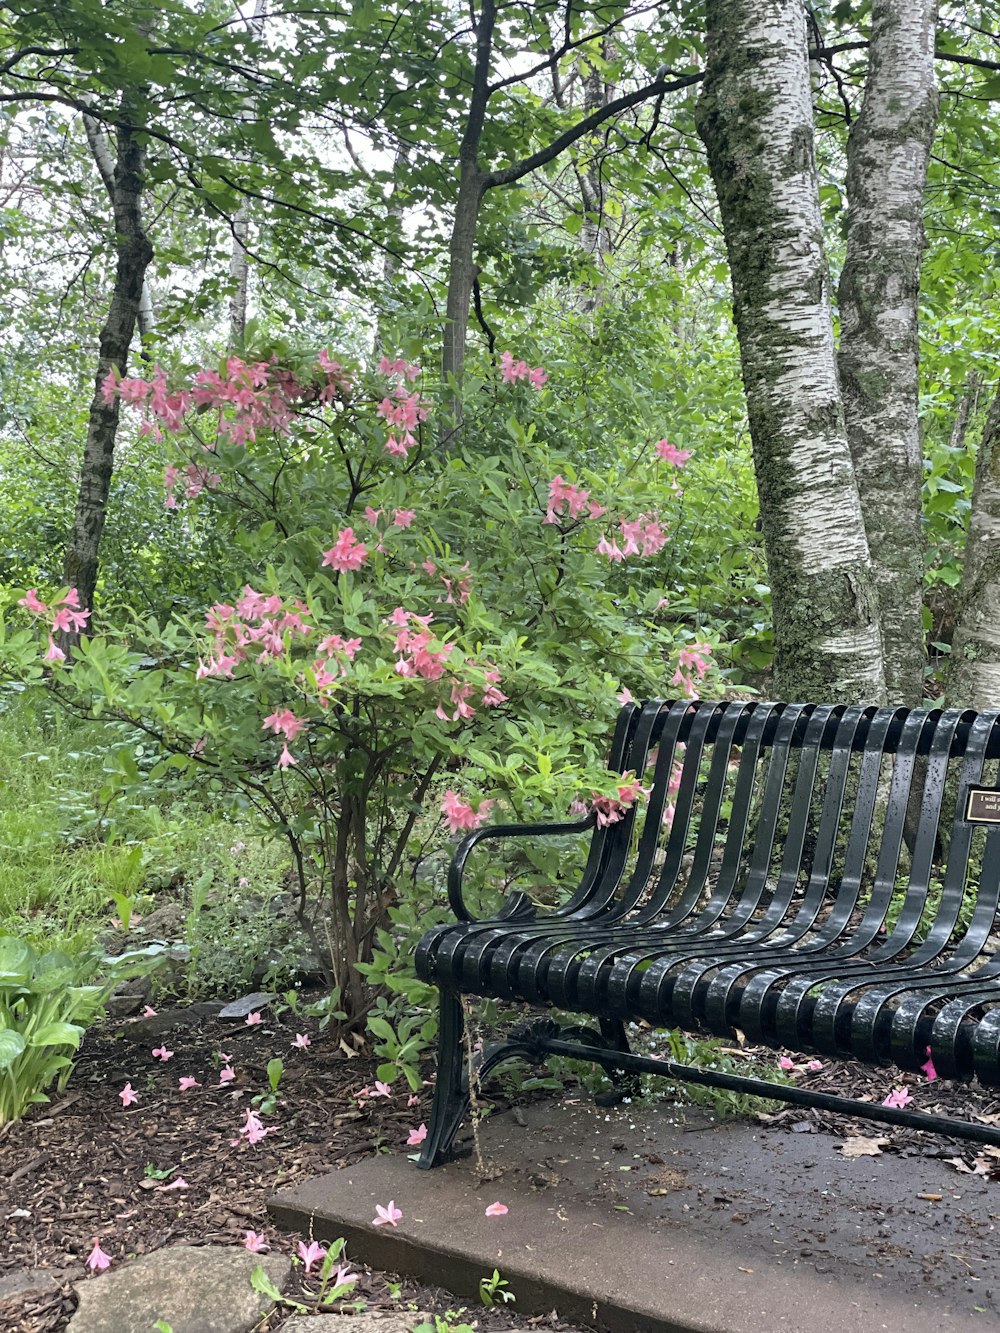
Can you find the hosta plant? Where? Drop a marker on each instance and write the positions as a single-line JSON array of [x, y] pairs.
[[47, 1002]]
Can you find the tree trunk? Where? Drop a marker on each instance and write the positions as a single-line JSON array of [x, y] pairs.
[[104, 161], [887, 156], [134, 253], [974, 678], [461, 274], [239, 258], [755, 118]]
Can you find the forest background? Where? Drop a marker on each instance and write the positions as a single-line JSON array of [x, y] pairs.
[[389, 391]]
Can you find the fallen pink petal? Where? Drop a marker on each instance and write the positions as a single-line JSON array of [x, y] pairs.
[[928, 1068], [382, 1089], [387, 1216], [497, 1210], [253, 1019], [814, 1066], [301, 1041], [179, 1184], [416, 1136], [187, 1083], [898, 1097], [162, 1053], [97, 1260], [128, 1095], [256, 1244], [226, 1076], [149, 1011], [785, 1063], [311, 1254]]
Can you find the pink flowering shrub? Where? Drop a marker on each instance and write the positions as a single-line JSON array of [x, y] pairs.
[[414, 640]]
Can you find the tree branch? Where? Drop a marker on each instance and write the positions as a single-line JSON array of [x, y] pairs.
[[508, 175]]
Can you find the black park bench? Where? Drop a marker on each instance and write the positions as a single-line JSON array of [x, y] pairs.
[[827, 881]]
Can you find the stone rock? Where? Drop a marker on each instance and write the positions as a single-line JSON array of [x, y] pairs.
[[372, 1321], [195, 1289], [247, 1005], [27, 1279], [146, 1029]]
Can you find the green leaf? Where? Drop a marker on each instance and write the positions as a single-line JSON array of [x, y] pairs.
[[57, 1034], [11, 1046]]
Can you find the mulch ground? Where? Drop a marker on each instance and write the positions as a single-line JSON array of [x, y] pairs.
[[82, 1168]]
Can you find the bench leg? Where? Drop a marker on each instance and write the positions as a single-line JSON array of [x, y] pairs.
[[451, 1096], [622, 1084]]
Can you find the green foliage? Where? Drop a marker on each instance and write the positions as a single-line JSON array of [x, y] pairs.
[[446, 1323], [47, 1002], [510, 603], [493, 1290]]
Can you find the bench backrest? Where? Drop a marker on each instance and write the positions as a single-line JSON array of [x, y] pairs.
[[763, 813]]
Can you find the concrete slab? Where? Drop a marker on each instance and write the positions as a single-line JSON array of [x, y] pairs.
[[651, 1220]]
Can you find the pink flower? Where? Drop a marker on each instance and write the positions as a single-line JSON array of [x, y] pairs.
[[186, 1083], [162, 1053], [54, 653], [371, 515], [786, 1064], [382, 1089], [416, 1136], [398, 368], [148, 1011], [285, 760], [497, 1210], [128, 1095], [310, 1254], [610, 548], [301, 1041], [345, 554], [254, 1243], [97, 1260], [31, 602], [254, 1130], [403, 518], [386, 1216], [898, 1097], [179, 1184], [460, 815], [283, 722], [413, 1100], [226, 1076], [928, 1068], [814, 1066], [66, 618], [253, 1019], [626, 696], [671, 454]]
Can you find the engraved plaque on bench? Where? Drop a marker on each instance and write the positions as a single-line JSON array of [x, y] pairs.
[[983, 805]]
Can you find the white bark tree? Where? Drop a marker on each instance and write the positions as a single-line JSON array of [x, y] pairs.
[[974, 678], [755, 117], [887, 156]]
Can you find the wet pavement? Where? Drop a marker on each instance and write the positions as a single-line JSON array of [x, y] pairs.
[[653, 1217]]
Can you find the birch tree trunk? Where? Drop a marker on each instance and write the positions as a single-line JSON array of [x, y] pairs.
[[239, 258], [887, 156], [756, 120], [974, 679], [134, 254]]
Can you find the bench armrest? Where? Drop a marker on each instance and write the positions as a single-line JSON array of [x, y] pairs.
[[515, 903]]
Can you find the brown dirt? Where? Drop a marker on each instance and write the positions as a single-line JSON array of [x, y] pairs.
[[78, 1168]]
